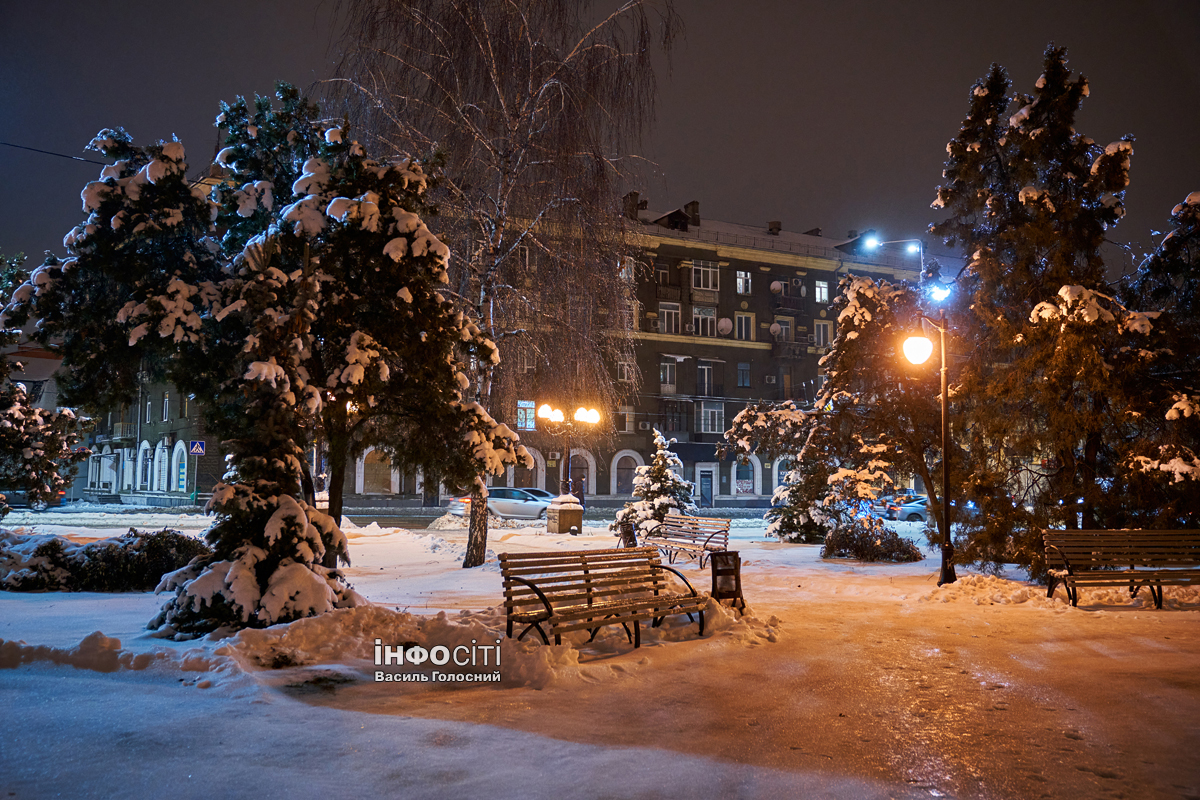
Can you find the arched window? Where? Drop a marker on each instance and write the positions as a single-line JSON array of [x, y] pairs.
[[145, 466], [626, 468], [377, 473], [744, 478], [178, 477], [160, 468]]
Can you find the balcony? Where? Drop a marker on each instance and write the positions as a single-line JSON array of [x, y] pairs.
[[705, 296], [668, 293], [123, 430], [790, 350], [666, 388], [710, 390], [783, 303]]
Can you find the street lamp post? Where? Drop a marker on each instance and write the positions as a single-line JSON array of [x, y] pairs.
[[562, 425], [917, 349]]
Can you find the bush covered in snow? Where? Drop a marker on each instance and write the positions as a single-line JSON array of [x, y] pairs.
[[869, 541], [134, 562]]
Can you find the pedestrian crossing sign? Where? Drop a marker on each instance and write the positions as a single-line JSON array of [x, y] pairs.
[[196, 448]]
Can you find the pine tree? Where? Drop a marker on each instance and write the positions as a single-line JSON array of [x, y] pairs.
[[1043, 343], [38, 447], [874, 416], [1164, 459], [660, 489], [321, 307]]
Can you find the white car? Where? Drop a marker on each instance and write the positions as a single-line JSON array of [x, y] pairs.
[[506, 503]]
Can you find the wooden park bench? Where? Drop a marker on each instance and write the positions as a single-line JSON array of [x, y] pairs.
[[587, 589], [1129, 558], [689, 537]]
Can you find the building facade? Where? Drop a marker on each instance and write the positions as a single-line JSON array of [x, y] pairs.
[[725, 315]]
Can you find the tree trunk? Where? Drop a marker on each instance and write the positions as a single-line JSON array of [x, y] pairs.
[[477, 537], [339, 453]]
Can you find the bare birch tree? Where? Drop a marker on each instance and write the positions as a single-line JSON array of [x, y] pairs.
[[535, 107]]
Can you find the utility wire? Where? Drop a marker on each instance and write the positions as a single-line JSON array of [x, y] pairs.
[[49, 153]]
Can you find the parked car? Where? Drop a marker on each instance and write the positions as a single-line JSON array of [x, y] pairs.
[[911, 509], [17, 498], [880, 506], [506, 503]]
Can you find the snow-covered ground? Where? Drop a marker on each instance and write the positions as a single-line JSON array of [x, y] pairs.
[[844, 680]]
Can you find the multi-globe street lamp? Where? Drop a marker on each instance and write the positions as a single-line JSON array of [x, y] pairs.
[[917, 349], [560, 425]]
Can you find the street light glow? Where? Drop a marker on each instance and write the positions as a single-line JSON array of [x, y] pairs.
[[914, 248], [587, 415], [871, 243], [918, 349], [940, 293]]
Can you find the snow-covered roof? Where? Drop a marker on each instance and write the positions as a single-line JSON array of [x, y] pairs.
[[757, 237]]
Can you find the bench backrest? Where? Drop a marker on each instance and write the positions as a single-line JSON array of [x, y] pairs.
[[580, 577], [701, 530], [1087, 549]]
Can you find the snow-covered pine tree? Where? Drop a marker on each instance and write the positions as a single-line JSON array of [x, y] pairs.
[[1164, 459], [797, 512], [1043, 417], [874, 416], [660, 490], [386, 351], [320, 306], [38, 446]]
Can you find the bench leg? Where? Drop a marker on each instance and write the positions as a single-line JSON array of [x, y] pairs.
[[701, 613], [1051, 587], [637, 634], [1156, 591], [538, 628]]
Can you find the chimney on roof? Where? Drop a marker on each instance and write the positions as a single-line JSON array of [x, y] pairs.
[[813, 232], [774, 227], [631, 205], [692, 210]]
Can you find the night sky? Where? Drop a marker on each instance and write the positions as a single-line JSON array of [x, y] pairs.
[[817, 114]]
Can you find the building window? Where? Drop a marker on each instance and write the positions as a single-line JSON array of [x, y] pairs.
[[704, 275], [627, 416], [526, 416], [821, 292], [668, 317], [785, 329], [666, 375], [704, 378], [526, 361], [822, 331], [149, 410], [704, 321], [627, 269], [745, 327], [743, 373], [672, 417], [710, 418], [185, 402], [743, 282], [626, 371], [662, 275], [166, 407], [744, 478], [626, 469]]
